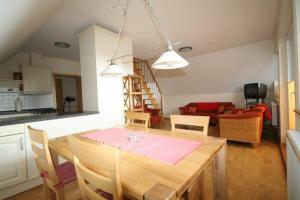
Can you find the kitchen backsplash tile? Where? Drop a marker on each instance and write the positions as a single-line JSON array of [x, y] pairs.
[[7, 101]]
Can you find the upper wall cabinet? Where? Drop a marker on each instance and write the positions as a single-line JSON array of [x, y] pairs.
[[37, 80]]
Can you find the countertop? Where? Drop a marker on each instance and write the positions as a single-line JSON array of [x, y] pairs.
[[39, 115]]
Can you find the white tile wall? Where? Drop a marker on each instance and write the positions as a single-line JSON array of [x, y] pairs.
[[7, 101]]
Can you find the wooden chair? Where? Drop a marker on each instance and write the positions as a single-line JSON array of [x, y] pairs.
[[97, 169], [59, 178], [179, 122], [139, 119]]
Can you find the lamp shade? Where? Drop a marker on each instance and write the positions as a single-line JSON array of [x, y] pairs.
[[170, 60], [112, 70]]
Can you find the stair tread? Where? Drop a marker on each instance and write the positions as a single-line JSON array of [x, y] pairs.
[[151, 97]]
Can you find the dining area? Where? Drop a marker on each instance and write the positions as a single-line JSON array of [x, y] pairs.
[[133, 161]]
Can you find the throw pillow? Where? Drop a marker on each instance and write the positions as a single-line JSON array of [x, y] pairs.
[[192, 109], [221, 109], [235, 110]]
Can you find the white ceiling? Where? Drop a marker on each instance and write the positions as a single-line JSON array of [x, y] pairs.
[[196, 23], [19, 19]]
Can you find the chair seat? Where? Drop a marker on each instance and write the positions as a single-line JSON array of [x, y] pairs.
[[65, 172], [105, 195]]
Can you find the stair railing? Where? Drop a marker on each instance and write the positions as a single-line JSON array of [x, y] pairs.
[[146, 71]]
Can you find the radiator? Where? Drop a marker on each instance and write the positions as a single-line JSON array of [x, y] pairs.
[[293, 165]]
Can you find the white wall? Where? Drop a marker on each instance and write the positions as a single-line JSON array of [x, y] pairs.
[[219, 76], [103, 94], [14, 64], [56, 65], [61, 66]]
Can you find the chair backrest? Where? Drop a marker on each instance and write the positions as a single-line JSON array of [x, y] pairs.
[[42, 156], [186, 123], [97, 169], [137, 119]]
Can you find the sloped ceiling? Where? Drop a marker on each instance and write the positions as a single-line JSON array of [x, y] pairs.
[[19, 19], [206, 25], [223, 71]]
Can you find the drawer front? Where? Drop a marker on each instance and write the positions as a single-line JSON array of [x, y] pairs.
[[11, 129]]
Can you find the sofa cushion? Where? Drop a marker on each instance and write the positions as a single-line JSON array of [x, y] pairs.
[[207, 106], [221, 109], [258, 109], [184, 109], [206, 111], [240, 115], [267, 112], [192, 109], [227, 105]]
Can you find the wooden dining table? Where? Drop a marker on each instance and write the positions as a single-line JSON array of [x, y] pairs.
[[144, 178]]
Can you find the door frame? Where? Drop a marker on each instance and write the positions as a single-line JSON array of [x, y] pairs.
[[78, 88]]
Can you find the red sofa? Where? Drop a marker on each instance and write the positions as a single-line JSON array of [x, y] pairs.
[[211, 109]]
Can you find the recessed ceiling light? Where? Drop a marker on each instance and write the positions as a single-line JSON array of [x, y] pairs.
[[185, 49], [62, 45]]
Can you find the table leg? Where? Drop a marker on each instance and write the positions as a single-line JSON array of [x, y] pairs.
[[160, 192], [220, 173]]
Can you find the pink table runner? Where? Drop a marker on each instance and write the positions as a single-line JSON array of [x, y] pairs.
[[163, 148]]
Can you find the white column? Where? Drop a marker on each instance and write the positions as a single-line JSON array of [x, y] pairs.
[[103, 94]]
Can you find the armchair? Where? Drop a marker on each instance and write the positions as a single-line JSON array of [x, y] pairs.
[[245, 126]]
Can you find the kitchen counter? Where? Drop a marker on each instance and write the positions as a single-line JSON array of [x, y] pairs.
[[34, 111], [294, 137], [41, 116]]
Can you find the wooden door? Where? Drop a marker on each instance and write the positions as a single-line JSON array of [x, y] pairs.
[[59, 95], [13, 160]]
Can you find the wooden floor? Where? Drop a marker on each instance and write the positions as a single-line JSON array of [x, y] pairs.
[[252, 173]]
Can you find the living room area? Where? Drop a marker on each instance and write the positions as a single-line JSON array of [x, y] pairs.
[[239, 77]]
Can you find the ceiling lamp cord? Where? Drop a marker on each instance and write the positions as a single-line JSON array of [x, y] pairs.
[[168, 60], [113, 69], [158, 26], [121, 29]]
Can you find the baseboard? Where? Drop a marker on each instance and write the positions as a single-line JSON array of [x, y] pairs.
[[16, 189]]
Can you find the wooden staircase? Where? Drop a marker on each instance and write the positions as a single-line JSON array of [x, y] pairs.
[[152, 95]]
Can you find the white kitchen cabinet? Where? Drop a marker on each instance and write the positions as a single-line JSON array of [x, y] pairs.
[[37, 80], [13, 160], [18, 171]]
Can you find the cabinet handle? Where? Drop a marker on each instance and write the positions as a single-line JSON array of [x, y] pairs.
[[21, 144]]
